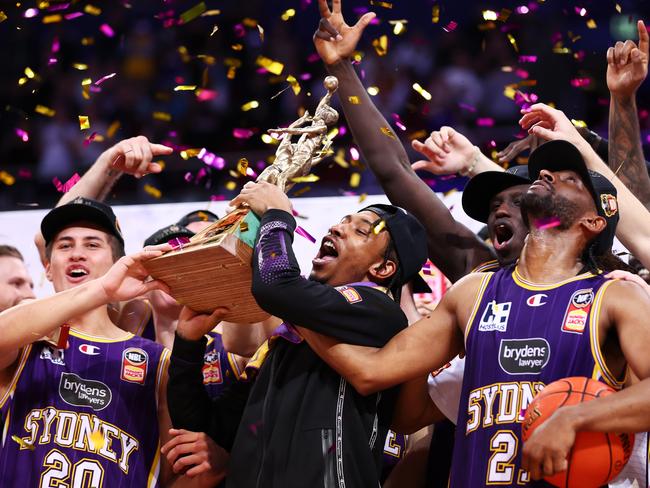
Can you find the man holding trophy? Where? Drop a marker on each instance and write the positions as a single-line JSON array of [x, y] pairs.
[[300, 424]]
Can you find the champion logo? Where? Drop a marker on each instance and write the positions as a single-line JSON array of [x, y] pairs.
[[89, 349], [536, 300]]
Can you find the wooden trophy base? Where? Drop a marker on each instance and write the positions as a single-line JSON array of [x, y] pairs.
[[214, 269]]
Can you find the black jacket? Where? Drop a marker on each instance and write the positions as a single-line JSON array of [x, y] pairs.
[[303, 424]]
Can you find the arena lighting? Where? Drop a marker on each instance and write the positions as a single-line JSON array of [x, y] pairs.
[[623, 27]]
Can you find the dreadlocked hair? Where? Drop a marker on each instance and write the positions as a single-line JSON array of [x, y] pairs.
[[604, 263]]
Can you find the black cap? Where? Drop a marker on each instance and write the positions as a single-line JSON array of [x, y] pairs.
[[78, 210], [166, 234], [409, 239], [483, 187], [562, 156], [197, 216]]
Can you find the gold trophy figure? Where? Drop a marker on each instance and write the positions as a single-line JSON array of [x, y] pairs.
[[214, 268]]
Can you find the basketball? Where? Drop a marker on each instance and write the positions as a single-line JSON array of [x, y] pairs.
[[596, 457]]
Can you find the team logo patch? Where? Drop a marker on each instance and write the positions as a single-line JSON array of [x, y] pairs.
[[609, 204], [55, 356], [350, 294], [80, 392], [575, 318], [536, 300], [89, 349], [495, 317], [524, 356], [134, 365], [212, 368]]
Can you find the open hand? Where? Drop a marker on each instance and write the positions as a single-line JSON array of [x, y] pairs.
[[194, 325], [334, 39], [134, 155], [627, 64], [550, 124], [447, 152]]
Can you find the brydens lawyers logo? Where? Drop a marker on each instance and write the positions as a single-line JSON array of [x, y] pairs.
[[524, 356], [536, 300], [577, 312], [81, 392], [134, 365], [89, 349]]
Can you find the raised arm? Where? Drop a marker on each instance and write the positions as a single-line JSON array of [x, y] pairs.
[[633, 228], [453, 248], [627, 68]]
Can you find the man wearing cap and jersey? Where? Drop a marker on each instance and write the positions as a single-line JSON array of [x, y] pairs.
[[303, 425]]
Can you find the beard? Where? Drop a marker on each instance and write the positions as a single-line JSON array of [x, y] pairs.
[[549, 206]]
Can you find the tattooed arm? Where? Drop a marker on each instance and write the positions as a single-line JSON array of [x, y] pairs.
[[627, 67]]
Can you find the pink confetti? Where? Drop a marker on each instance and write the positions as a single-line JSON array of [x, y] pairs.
[[61, 6], [485, 122], [398, 122], [451, 26], [581, 11], [305, 76], [104, 78], [465, 106], [178, 242], [55, 45], [239, 29], [24, 173], [211, 159], [242, 133], [188, 177], [67, 186], [52, 61], [522, 9], [204, 95], [107, 30], [22, 134], [72, 15], [217, 198], [547, 223], [521, 73], [343, 130], [312, 58], [90, 139], [527, 59], [354, 153], [30, 12], [580, 82]]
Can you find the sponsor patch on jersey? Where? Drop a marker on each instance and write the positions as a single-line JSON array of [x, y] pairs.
[[575, 317], [134, 365], [79, 392], [350, 294], [609, 204], [55, 356], [212, 368], [536, 300], [524, 356], [89, 349], [495, 317]]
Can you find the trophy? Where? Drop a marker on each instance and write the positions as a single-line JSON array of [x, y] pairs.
[[214, 268]]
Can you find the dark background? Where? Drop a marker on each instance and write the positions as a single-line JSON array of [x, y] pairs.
[[465, 70]]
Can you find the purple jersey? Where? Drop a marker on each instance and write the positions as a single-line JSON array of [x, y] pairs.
[[394, 447], [84, 416], [520, 337], [220, 368]]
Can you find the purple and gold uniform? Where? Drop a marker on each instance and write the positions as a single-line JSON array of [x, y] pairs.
[[84, 416], [220, 368], [520, 337]]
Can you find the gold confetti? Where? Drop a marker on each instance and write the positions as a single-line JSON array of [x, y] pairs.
[[112, 129], [153, 191], [210, 13], [250, 23], [84, 122], [513, 41], [355, 179], [509, 92], [86, 81], [381, 45], [425, 94], [193, 13], [387, 132], [231, 185], [85, 92], [80, 66], [618, 8], [190, 153], [306, 179], [267, 139], [29, 73], [22, 443], [287, 14], [214, 30], [6, 178], [185, 88], [435, 14], [362, 197], [295, 86], [354, 100], [242, 166], [92, 10], [250, 105], [381, 4], [269, 65], [3, 16], [97, 440], [261, 31], [43, 110], [87, 41], [340, 159], [591, 24], [52, 19], [22, 81], [579, 123], [399, 26], [301, 191], [164, 116], [372, 90], [489, 15], [237, 47], [379, 226]]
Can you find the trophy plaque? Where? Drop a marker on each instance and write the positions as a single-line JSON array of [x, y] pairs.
[[214, 268]]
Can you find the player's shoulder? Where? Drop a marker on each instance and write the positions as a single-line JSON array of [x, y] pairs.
[[620, 292], [375, 299]]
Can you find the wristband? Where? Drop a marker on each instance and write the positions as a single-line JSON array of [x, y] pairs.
[[468, 172]]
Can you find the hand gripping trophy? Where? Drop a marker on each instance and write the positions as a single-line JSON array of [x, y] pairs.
[[214, 268]]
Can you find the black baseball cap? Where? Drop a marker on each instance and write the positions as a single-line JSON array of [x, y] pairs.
[[409, 239], [483, 187], [78, 210], [561, 156], [166, 234], [197, 216]]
